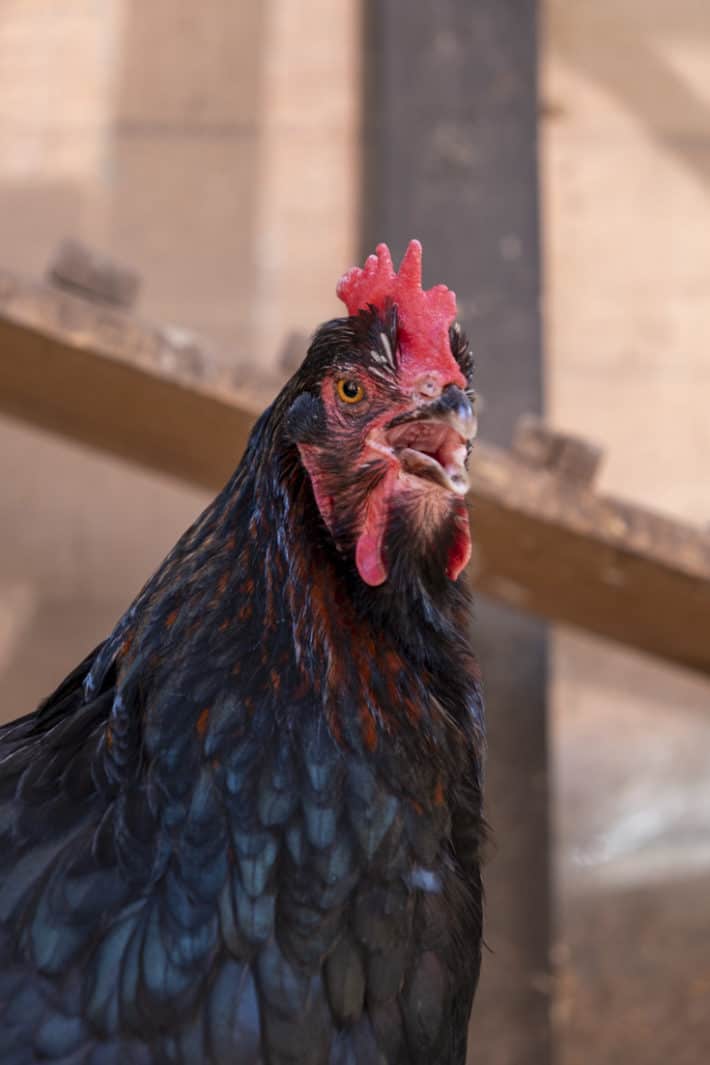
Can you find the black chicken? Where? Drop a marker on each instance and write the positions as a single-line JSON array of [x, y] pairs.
[[246, 829]]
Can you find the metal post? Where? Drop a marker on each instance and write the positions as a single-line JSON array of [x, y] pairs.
[[450, 131]]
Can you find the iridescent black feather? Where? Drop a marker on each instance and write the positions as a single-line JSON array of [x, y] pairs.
[[246, 829]]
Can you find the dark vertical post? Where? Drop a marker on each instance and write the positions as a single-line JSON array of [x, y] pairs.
[[450, 129]]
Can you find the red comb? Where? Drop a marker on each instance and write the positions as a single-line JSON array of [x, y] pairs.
[[423, 317]]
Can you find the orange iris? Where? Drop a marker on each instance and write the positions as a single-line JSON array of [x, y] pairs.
[[350, 391]]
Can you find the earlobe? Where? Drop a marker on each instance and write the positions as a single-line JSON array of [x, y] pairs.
[[306, 428], [305, 419], [324, 501]]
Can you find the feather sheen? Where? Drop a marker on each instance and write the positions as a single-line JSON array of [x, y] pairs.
[[246, 829]]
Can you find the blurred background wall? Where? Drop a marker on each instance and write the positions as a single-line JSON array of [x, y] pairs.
[[214, 147], [625, 111], [211, 146]]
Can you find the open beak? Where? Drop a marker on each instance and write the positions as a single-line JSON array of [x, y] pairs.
[[434, 441]]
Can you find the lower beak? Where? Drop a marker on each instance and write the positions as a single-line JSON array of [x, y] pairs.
[[434, 441]]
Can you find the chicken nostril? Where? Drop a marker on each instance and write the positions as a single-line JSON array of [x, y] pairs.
[[428, 387]]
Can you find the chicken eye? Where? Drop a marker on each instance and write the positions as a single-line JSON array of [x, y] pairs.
[[350, 391]]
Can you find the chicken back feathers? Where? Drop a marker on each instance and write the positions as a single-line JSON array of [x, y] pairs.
[[246, 829]]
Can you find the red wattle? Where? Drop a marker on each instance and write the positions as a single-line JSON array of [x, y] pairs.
[[460, 551], [369, 549], [368, 559]]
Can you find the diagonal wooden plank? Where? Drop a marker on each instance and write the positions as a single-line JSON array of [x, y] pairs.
[[544, 542], [117, 384], [618, 570]]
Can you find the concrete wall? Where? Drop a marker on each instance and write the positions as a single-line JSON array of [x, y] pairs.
[[211, 146], [626, 169]]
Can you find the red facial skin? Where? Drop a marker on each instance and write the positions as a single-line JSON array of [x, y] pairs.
[[424, 366], [431, 503]]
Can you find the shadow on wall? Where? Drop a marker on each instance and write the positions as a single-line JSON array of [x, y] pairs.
[[126, 131], [638, 70]]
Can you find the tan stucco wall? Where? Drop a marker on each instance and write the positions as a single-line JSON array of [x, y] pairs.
[[625, 155], [197, 143]]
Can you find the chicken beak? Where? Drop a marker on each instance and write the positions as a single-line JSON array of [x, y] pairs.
[[453, 407], [434, 440]]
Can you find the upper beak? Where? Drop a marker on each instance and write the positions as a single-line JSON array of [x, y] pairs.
[[453, 407]]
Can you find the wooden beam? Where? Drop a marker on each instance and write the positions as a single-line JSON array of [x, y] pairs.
[[545, 541], [110, 381], [80, 269], [554, 547]]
